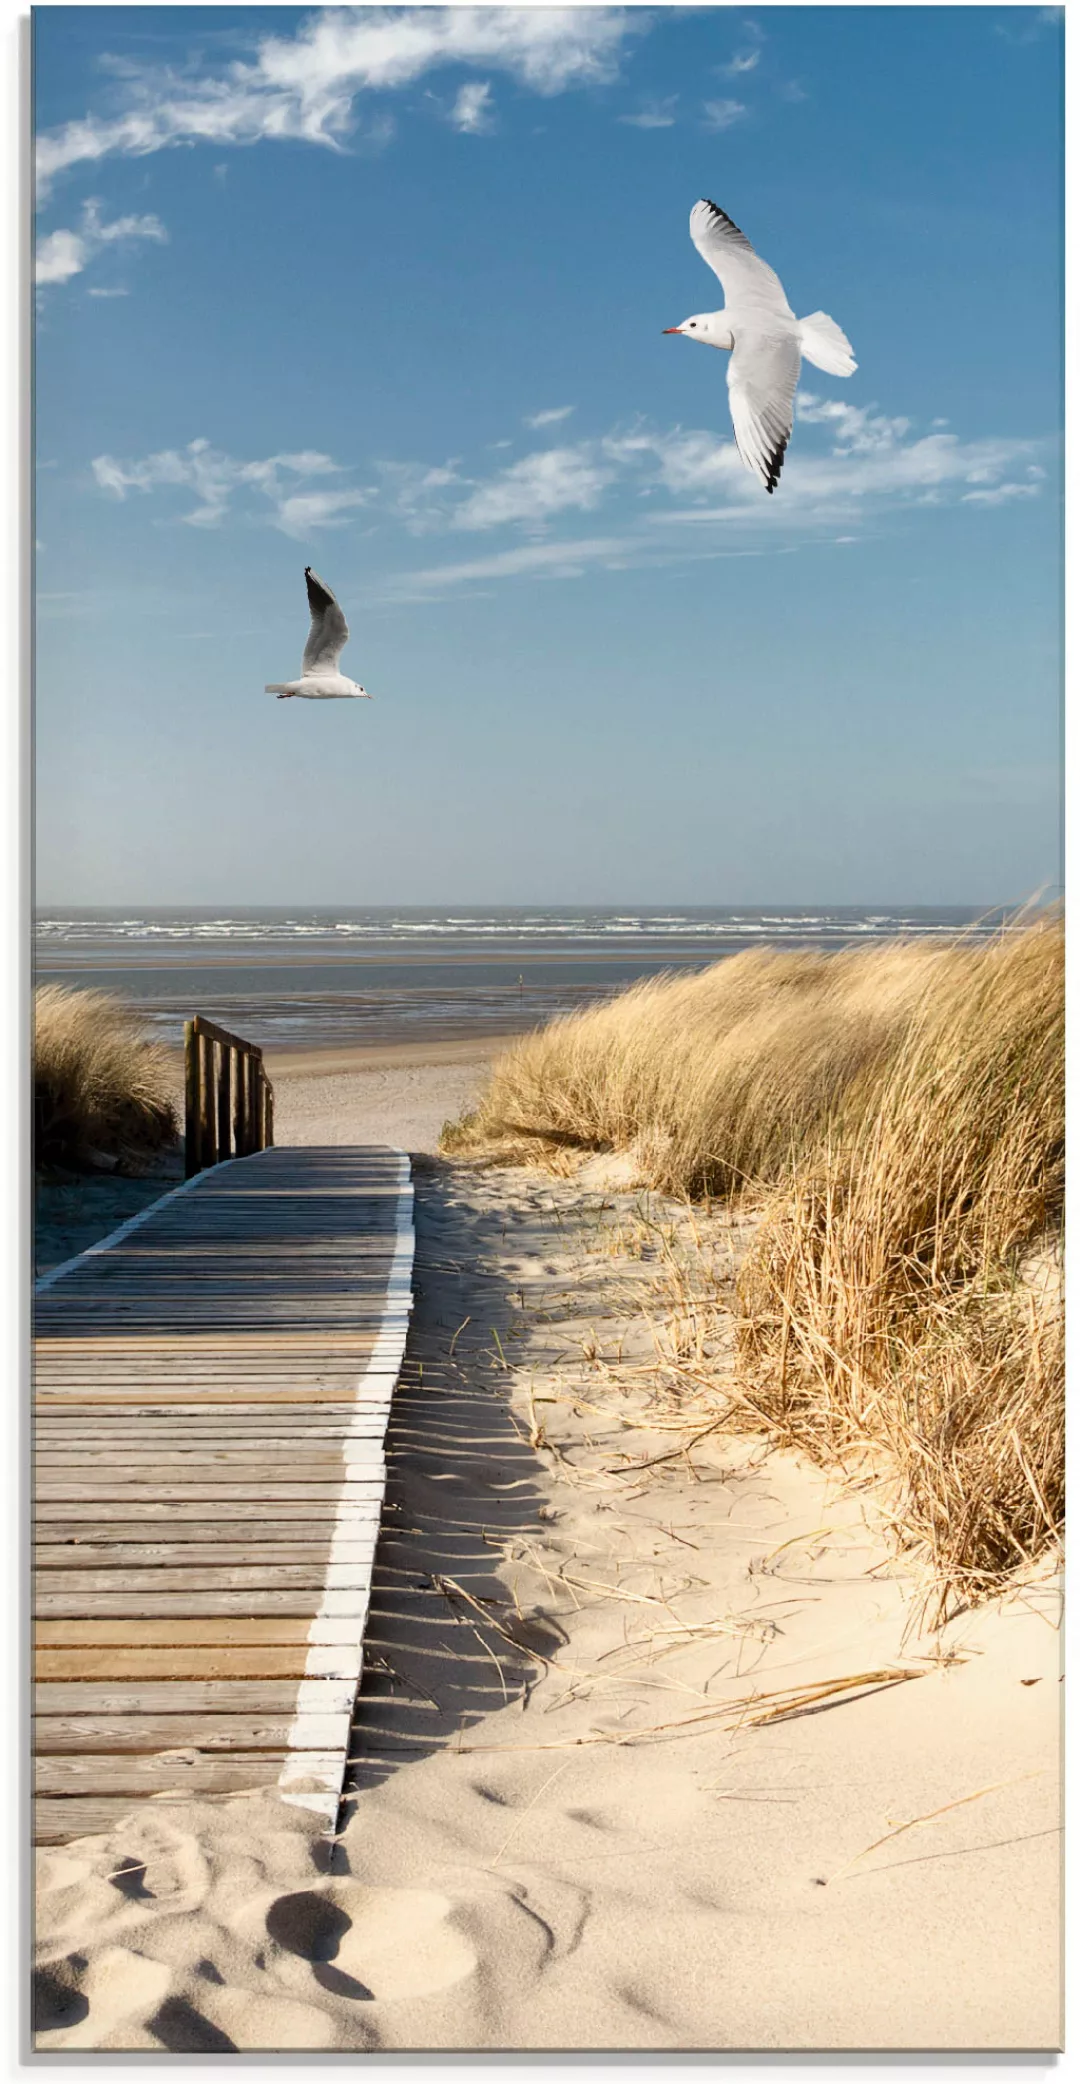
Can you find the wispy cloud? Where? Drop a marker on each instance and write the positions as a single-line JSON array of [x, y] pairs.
[[548, 418], [216, 478], [473, 110], [528, 493], [64, 254], [720, 115], [742, 62], [307, 85], [858, 429], [675, 493], [1000, 495], [531, 560], [653, 115]]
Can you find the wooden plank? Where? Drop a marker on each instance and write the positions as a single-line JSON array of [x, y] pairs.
[[56, 1822], [192, 1697], [89, 1579], [59, 1735], [131, 1555], [164, 1605], [200, 1465], [193, 1773], [201, 1661], [141, 1512], [133, 1634], [272, 1494]]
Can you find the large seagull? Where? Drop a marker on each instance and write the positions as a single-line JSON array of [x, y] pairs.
[[319, 679], [766, 341]]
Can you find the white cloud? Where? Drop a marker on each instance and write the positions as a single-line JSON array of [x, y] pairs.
[[549, 418], [548, 482], [653, 115], [66, 253], [679, 493], [215, 478], [472, 111], [743, 61], [306, 85], [720, 115], [999, 495], [118, 292], [858, 428], [532, 560], [301, 513]]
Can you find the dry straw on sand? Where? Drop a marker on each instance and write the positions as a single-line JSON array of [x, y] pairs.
[[898, 1114], [100, 1088]]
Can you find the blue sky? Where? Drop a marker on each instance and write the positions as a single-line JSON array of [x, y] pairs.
[[383, 291]]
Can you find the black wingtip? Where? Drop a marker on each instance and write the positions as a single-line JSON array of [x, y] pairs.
[[723, 215], [776, 465]]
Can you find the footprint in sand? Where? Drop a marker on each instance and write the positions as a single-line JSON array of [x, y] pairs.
[[371, 1944], [144, 1868], [100, 2004]]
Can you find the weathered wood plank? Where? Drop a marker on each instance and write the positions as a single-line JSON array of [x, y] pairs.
[[142, 1734], [58, 1492], [88, 1580], [193, 1772], [163, 1605], [192, 1697], [75, 1632], [56, 1821], [198, 1661], [139, 1511], [127, 1556]]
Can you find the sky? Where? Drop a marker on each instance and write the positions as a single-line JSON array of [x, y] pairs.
[[383, 291]]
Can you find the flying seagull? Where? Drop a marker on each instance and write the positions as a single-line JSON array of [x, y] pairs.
[[766, 340], [320, 680]]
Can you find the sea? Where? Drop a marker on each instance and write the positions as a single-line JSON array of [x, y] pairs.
[[292, 978]]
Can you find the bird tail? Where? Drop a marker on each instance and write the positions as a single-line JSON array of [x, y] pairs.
[[275, 687], [824, 344]]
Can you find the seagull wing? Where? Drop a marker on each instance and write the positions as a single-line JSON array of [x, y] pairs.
[[762, 376], [329, 632], [748, 282]]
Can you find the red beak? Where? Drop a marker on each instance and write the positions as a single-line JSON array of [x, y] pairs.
[[673, 329]]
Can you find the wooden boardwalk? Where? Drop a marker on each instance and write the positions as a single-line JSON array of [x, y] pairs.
[[212, 1386]]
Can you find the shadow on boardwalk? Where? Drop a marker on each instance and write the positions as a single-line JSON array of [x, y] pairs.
[[445, 1643]]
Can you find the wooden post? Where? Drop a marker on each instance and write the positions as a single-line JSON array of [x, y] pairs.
[[245, 1146], [192, 1108], [269, 1114], [238, 1102], [224, 1105], [209, 1109]]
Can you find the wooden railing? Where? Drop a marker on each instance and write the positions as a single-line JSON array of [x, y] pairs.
[[229, 1100]]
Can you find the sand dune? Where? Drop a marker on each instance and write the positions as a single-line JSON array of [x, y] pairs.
[[568, 1825]]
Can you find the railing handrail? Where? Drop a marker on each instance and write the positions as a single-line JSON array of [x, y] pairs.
[[228, 1098], [202, 1026]]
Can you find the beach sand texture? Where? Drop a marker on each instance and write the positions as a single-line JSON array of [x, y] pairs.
[[569, 1825]]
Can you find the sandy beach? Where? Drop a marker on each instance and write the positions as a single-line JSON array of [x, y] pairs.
[[650, 1751]]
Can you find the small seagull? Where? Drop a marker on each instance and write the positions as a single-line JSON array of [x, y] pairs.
[[319, 679], [766, 340]]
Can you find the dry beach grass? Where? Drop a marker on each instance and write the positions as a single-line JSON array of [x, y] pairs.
[[100, 1088], [897, 1116]]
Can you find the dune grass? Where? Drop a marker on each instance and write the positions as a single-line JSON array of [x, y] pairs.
[[100, 1088], [898, 1113]]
